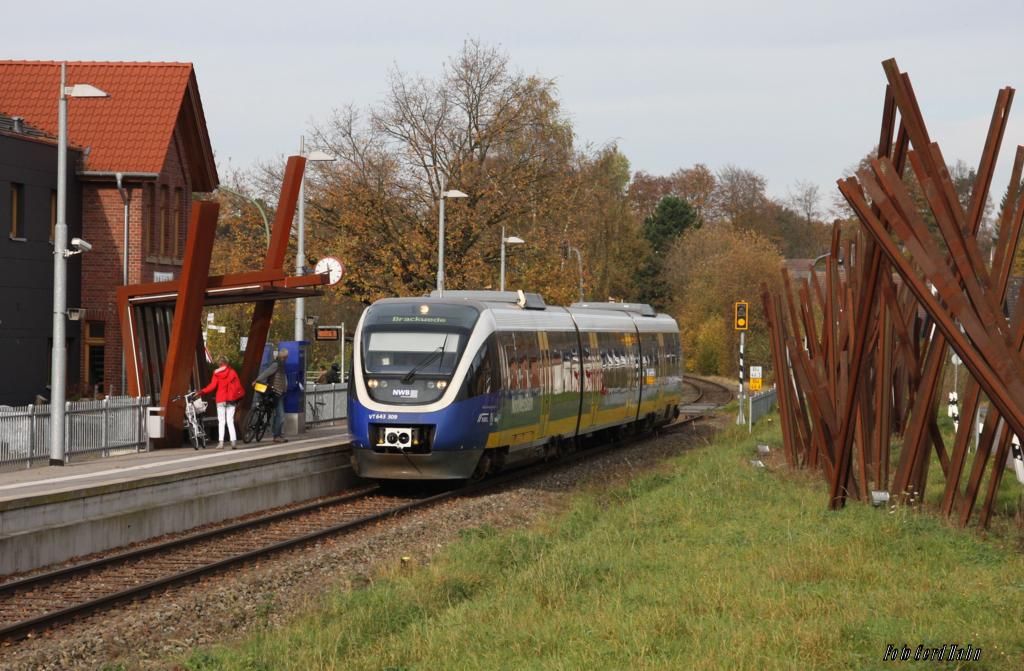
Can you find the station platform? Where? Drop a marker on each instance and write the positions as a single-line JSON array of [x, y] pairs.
[[51, 514]]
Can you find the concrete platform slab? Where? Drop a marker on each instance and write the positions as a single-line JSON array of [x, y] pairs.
[[51, 514]]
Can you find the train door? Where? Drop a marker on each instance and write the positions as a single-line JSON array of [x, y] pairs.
[[593, 382], [544, 361], [659, 367], [630, 344]]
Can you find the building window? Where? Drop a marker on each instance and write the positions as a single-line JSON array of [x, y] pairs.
[[149, 220], [95, 350], [53, 214], [165, 222], [179, 227], [17, 211]]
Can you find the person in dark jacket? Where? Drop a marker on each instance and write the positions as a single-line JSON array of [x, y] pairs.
[[229, 391], [275, 377], [330, 376]]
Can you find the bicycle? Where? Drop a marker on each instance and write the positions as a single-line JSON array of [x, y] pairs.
[[314, 405], [195, 406], [260, 414]]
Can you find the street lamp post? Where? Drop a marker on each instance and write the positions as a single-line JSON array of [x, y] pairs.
[[58, 358], [513, 240], [568, 249], [454, 193], [300, 251], [263, 214]]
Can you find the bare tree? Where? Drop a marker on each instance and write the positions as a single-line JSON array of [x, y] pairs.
[[804, 197], [740, 195]]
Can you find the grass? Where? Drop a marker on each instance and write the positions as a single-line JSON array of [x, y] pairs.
[[709, 563]]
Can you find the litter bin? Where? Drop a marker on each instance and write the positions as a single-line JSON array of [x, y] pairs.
[[154, 423]]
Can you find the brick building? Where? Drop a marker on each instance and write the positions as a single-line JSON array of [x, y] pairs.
[[145, 151]]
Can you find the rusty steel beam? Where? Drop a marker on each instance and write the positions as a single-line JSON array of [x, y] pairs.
[[1001, 391], [187, 316], [1006, 244], [783, 381], [989, 155], [875, 354], [263, 312]]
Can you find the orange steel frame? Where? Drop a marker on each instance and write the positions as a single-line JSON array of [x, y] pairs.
[[195, 288]]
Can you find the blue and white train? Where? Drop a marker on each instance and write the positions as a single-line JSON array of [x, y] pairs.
[[459, 386]]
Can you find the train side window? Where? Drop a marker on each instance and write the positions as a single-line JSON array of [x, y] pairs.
[[509, 367], [480, 379], [533, 362]]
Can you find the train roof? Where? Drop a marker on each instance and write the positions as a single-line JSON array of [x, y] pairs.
[[526, 301], [642, 309], [528, 311]]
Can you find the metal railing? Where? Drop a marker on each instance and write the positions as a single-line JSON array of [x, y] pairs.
[[760, 405], [112, 426], [326, 403]]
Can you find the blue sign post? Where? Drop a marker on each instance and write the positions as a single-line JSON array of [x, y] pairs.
[[295, 397]]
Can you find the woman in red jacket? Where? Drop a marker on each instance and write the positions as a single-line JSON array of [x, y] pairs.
[[229, 391]]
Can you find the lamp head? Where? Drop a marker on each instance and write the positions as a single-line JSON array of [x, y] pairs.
[[84, 91], [317, 155]]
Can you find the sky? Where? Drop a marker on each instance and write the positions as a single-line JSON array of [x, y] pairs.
[[792, 90]]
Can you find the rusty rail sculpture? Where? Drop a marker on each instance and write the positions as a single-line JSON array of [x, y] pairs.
[[898, 294]]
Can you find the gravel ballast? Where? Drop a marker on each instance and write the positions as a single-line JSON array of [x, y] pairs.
[[157, 632]]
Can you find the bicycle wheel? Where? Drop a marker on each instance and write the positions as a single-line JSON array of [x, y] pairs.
[[252, 420], [194, 437], [264, 422]]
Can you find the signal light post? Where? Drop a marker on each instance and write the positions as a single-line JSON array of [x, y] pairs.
[[741, 322]]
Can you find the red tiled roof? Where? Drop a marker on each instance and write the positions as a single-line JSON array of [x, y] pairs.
[[128, 132]]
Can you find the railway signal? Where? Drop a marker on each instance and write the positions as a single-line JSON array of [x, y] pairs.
[[740, 321]]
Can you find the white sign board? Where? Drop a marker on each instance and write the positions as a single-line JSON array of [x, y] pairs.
[[243, 341], [955, 360], [755, 372], [163, 276]]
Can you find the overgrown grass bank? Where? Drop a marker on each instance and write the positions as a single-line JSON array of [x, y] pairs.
[[711, 564]]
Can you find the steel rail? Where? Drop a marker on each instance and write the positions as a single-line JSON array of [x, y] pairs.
[[25, 628], [101, 562]]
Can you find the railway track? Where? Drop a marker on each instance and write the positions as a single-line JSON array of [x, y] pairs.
[[32, 605], [708, 396]]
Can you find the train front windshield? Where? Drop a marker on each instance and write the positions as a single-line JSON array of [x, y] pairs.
[[404, 352], [411, 350]]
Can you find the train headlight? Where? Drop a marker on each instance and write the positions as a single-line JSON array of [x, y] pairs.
[[396, 437], [372, 384], [441, 384]]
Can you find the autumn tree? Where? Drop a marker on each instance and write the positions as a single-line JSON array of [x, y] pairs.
[[699, 188], [606, 226], [495, 134], [646, 191], [706, 271], [740, 195]]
